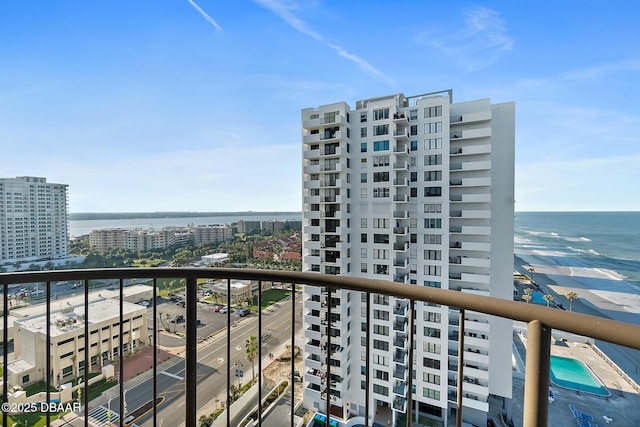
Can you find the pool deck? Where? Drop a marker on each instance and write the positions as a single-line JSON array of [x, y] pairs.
[[622, 406]]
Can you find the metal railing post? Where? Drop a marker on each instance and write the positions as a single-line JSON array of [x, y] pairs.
[[155, 351], [328, 355], [228, 352], [410, 385], [366, 361], [460, 367], [536, 383], [191, 362], [293, 351]]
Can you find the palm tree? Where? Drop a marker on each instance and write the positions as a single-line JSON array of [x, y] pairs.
[[571, 295], [548, 298], [251, 351], [528, 295]]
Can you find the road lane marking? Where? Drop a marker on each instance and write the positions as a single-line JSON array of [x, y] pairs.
[[172, 375]]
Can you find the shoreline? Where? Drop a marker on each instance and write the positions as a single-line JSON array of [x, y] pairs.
[[595, 296]]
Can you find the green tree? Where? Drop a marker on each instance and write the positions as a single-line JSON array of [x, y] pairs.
[[571, 295], [548, 298], [251, 351], [528, 295]]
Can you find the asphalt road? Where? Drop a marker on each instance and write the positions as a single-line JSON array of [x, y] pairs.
[[212, 365]]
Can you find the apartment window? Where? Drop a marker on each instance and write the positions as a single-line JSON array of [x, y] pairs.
[[380, 161], [380, 176], [363, 177], [431, 316], [431, 284], [380, 269], [432, 239], [413, 222], [413, 238], [433, 175], [414, 145], [363, 117], [381, 192], [314, 177], [431, 394], [430, 363], [380, 254], [381, 130], [381, 223], [433, 159], [64, 356], [435, 127], [431, 347], [363, 267], [380, 360], [380, 238], [413, 115], [381, 375], [363, 147], [378, 389], [363, 237], [433, 111], [413, 130], [413, 192], [414, 176], [432, 270], [381, 330], [432, 191], [433, 207], [380, 315], [380, 345], [381, 114], [433, 143], [431, 332], [363, 253], [363, 163], [432, 223], [381, 146], [380, 299], [432, 254]]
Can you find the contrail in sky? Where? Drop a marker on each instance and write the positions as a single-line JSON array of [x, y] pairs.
[[205, 16]]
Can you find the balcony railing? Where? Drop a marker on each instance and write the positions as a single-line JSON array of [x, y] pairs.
[[541, 321]]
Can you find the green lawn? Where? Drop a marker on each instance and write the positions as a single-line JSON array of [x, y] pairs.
[[32, 419], [272, 296]]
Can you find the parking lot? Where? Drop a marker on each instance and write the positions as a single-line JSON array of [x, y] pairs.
[[212, 318]]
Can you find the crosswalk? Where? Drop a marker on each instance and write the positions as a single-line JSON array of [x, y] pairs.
[[100, 416]]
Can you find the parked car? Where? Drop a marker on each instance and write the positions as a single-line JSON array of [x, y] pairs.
[[217, 308], [181, 303], [177, 318], [222, 310]]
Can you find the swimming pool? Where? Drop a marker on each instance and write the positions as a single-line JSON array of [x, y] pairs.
[[575, 375]]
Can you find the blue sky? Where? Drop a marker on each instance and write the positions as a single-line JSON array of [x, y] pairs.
[[194, 105]]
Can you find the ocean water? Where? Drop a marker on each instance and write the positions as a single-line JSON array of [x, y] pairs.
[[600, 249], [83, 227]]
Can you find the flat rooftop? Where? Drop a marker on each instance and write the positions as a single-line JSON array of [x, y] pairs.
[[67, 317]]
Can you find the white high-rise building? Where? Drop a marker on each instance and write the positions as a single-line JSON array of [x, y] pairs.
[[415, 190], [33, 220]]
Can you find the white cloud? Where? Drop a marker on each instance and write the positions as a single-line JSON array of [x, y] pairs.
[[285, 10], [205, 15], [480, 43], [602, 70]]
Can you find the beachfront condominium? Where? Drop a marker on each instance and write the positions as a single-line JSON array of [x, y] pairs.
[[33, 220], [416, 190]]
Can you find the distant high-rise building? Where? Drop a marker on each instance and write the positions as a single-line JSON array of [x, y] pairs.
[[34, 220], [416, 190]]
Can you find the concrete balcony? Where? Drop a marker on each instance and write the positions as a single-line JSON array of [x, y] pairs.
[[311, 124], [466, 118], [470, 134], [192, 390]]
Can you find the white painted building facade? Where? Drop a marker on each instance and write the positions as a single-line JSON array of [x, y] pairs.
[[414, 190], [34, 220]]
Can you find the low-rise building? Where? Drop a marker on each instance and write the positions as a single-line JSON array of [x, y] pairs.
[[67, 341]]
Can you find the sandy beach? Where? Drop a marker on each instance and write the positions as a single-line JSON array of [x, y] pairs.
[[601, 293]]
